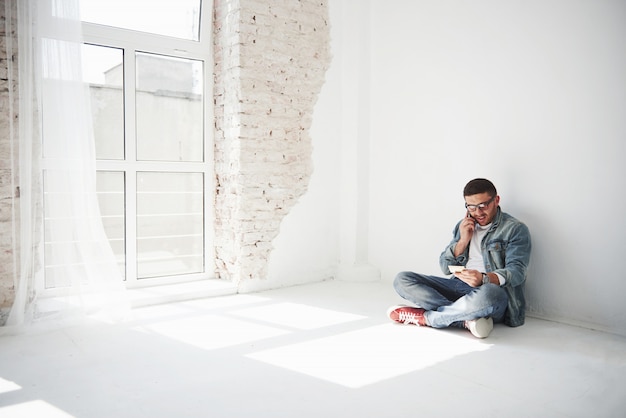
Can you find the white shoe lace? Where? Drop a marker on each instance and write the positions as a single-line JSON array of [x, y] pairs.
[[407, 317]]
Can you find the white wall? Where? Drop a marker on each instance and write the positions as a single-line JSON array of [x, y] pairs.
[[529, 94]]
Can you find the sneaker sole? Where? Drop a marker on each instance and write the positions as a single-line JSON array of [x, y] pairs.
[[481, 327]]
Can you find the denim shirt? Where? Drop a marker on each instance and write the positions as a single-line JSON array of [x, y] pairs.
[[506, 251]]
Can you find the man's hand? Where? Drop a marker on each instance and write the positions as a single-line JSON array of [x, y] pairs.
[[473, 278], [466, 229]]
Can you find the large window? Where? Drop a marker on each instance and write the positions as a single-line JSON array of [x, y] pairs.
[[147, 65], [173, 18]]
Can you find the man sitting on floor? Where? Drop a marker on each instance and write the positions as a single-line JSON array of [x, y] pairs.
[[492, 250]]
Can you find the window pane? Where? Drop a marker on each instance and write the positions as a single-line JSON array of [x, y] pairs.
[[103, 69], [110, 189], [169, 108], [59, 242], [175, 18], [170, 224], [70, 236]]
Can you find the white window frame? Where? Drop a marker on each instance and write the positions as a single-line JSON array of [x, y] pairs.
[[132, 42]]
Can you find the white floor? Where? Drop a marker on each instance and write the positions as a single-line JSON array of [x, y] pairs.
[[322, 350]]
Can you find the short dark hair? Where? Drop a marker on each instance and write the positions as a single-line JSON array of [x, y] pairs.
[[478, 186]]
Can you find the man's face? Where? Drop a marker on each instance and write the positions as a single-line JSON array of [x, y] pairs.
[[482, 207]]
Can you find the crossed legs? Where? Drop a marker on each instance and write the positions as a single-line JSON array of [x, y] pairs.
[[450, 301]]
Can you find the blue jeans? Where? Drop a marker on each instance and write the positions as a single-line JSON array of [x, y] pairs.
[[451, 301]]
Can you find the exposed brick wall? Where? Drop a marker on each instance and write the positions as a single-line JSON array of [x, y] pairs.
[[270, 61], [8, 123]]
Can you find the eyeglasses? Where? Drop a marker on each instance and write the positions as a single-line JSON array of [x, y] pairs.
[[481, 206]]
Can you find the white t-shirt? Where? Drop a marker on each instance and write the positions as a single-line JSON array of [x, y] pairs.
[[475, 261]]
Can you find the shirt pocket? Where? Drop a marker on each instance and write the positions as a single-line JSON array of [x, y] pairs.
[[497, 254]]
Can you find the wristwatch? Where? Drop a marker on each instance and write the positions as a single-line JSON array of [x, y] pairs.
[[485, 278]]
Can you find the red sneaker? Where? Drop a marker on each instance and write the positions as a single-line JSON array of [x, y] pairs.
[[407, 315]]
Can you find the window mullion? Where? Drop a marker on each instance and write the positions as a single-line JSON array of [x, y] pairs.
[[130, 152]]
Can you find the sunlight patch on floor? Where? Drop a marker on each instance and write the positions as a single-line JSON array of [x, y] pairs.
[[211, 332], [32, 409], [235, 321], [191, 307], [359, 358], [295, 315], [8, 386]]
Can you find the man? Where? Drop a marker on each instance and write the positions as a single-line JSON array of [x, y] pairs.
[[493, 249]]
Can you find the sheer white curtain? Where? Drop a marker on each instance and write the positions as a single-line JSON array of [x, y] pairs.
[[68, 271]]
